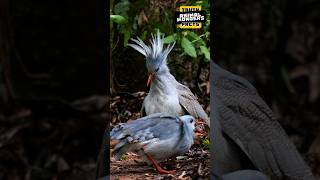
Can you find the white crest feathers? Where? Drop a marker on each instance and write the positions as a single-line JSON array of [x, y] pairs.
[[156, 49]]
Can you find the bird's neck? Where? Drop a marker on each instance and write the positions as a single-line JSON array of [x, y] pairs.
[[186, 136], [188, 133], [163, 83]]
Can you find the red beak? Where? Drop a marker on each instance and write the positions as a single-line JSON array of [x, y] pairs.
[[150, 79]]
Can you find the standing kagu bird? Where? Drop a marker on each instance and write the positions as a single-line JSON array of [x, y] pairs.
[[166, 94], [156, 137]]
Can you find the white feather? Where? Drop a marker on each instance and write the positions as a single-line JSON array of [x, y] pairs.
[[155, 50]]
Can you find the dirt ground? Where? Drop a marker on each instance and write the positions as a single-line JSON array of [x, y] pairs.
[[193, 165]]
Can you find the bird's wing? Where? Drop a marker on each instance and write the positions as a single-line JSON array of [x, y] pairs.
[[190, 103], [131, 127], [250, 123], [134, 134]]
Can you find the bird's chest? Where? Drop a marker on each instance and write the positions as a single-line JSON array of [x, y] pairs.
[[166, 103]]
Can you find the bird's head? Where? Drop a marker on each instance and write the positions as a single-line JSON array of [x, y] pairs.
[[189, 121], [156, 55]]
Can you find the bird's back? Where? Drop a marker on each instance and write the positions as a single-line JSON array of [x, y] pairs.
[[159, 134], [169, 96]]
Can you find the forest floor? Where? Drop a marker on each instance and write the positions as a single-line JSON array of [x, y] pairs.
[[192, 165]]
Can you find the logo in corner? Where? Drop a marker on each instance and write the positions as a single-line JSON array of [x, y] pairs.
[[190, 17]]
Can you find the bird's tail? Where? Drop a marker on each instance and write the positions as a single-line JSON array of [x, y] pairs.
[[120, 147]]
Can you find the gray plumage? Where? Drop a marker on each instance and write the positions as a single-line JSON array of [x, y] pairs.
[[244, 122], [166, 93], [160, 135]]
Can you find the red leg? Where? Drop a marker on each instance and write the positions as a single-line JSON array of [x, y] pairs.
[[158, 168]]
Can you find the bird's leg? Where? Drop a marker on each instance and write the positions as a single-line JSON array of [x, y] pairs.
[[158, 168]]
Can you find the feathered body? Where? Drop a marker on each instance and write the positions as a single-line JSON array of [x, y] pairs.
[[166, 94], [160, 135], [244, 124], [163, 96]]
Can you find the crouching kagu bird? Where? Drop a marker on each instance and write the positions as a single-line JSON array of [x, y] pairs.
[[156, 137], [166, 94]]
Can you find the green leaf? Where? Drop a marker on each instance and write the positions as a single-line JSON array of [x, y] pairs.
[[122, 8], [193, 35], [188, 47], [144, 35], [196, 39], [169, 39], [206, 143], [118, 19], [200, 42], [205, 51]]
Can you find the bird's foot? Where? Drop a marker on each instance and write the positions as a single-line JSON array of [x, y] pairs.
[[162, 171], [159, 168]]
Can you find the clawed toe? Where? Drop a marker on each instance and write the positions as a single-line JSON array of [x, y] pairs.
[[162, 171]]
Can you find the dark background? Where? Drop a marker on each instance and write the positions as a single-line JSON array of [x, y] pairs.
[[275, 45], [53, 86]]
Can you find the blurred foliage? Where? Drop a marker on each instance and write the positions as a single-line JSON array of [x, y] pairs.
[[143, 17], [188, 60]]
